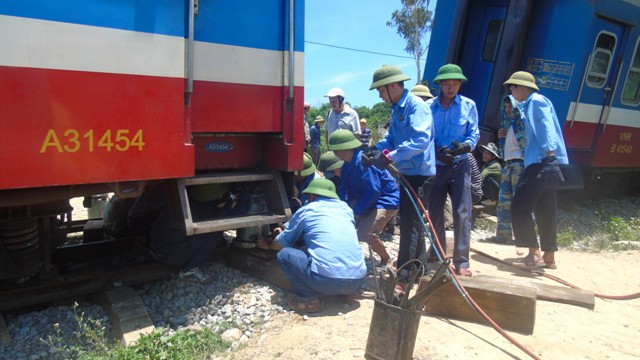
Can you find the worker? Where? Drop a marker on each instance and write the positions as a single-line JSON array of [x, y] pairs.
[[455, 119], [332, 262], [536, 190], [302, 179], [409, 143], [372, 193], [331, 167], [341, 115]]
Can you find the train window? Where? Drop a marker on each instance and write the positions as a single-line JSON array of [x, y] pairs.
[[601, 59], [494, 29], [631, 90]]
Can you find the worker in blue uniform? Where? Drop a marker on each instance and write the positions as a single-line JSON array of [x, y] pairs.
[[371, 192], [536, 190], [302, 179], [332, 262], [455, 119], [409, 143]]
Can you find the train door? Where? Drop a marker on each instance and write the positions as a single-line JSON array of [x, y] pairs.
[[480, 47], [589, 112]]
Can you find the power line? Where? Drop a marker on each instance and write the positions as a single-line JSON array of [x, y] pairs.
[[357, 50]]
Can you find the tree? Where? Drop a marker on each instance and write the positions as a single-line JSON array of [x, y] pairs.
[[413, 23]]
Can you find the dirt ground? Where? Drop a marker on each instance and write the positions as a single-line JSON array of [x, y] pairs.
[[610, 331]]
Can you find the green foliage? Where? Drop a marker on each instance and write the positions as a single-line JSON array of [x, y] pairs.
[[567, 237], [183, 344], [413, 23], [623, 230], [89, 337], [377, 116], [91, 342]]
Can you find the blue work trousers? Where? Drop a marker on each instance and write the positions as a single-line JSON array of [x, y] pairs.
[[535, 195], [453, 179], [308, 285], [412, 243]]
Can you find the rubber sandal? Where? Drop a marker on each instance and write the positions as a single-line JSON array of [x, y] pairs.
[[529, 264], [551, 265], [310, 307]]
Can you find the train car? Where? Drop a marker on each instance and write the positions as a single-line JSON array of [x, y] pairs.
[[584, 54], [112, 97]]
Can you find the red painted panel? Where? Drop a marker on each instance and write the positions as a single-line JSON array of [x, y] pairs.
[[231, 108], [579, 135], [52, 121], [614, 147], [237, 108], [618, 146]]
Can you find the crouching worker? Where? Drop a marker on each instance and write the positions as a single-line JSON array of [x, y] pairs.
[[332, 263], [371, 192]]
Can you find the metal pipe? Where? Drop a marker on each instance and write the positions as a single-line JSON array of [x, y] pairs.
[[584, 77], [292, 49], [190, 46], [613, 96]]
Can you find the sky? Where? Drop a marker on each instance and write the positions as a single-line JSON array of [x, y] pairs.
[[356, 24]]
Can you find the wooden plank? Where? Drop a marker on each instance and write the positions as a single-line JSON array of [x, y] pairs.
[[128, 314], [559, 294], [265, 267], [512, 306]]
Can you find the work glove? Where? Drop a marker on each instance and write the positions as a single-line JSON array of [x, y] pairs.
[[368, 154], [444, 155], [367, 157], [382, 160], [459, 148], [551, 170]]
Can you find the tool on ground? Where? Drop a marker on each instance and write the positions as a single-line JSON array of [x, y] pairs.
[[379, 295], [426, 289]]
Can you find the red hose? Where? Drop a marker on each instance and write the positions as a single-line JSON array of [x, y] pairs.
[[459, 286], [561, 281]]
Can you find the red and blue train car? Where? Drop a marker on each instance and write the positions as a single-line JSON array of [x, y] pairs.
[[585, 55], [110, 96]]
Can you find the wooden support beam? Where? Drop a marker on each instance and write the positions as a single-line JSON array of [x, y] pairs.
[[128, 314], [512, 306], [559, 294], [261, 264]]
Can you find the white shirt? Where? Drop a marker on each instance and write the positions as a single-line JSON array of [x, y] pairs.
[[511, 147]]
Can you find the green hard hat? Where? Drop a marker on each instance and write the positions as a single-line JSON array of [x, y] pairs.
[[343, 140], [450, 72], [322, 187], [309, 167], [329, 161], [387, 74]]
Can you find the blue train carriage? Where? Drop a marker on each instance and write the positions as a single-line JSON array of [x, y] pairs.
[[584, 54]]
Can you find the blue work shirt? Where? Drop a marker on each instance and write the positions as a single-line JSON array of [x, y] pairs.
[[367, 187], [314, 132], [303, 185], [410, 137], [458, 122], [328, 229], [543, 130]]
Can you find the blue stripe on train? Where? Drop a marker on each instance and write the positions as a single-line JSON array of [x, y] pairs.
[[219, 21]]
